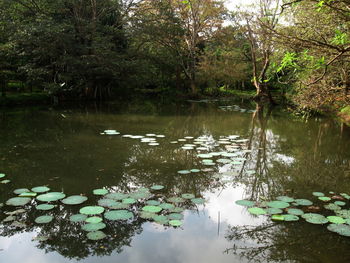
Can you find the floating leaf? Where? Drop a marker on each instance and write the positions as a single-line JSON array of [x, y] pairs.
[[153, 202], [129, 201], [5, 181], [256, 211], [343, 230], [195, 170], [100, 192], [116, 196], [325, 198], [336, 220], [161, 219], [184, 172], [333, 207], [290, 218], [295, 211], [286, 199], [188, 196], [157, 187], [273, 211], [74, 200], [343, 213], [51, 197], [340, 203], [118, 215], [77, 218], [152, 208], [45, 207], [107, 202], [176, 210], [277, 217], [176, 200], [20, 191], [93, 220], [278, 204], [175, 216], [315, 218], [2, 175], [28, 194], [167, 206], [147, 215], [175, 223], [18, 201], [96, 235], [91, 210], [40, 189], [198, 201], [43, 219], [318, 194], [93, 226], [246, 203], [303, 202]]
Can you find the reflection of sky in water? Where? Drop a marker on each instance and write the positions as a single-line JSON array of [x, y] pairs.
[[196, 241]]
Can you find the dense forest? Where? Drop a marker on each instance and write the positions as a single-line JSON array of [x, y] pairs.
[[88, 49]]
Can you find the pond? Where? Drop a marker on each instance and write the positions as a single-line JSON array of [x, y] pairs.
[[166, 179]]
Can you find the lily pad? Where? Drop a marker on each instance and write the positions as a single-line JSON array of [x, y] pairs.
[[166, 206], [188, 196], [43, 219], [51, 197], [107, 202], [118, 215], [325, 198], [278, 204], [315, 218], [343, 230], [336, 220], [100, 192], [161, 219], [343, 213], [256, 211], [176, 200], [118, 206], [96, 235], [195, 170], [116, 196], [152, 208], [5, 181], [74, 200], [184, 172], [20, 191], [77, 218], [91, 210], [333, 207], [277, 217], [157, 187], [198, 201], [303, 202], [28, 194], [18, 201], [176, 210], [93, 220], [147, 215], [175, 216], [340, 203], [2, 175], [175, 223], [295, 211], [45, 207], [273, 211], [40, 189], [318, 194], [93, 226], [129, 201], [246, 203], [286, 199], [290, 218], [153, 202]]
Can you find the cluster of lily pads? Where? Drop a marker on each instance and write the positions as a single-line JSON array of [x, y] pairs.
[[145, 203], [4, 181], [335, 210]]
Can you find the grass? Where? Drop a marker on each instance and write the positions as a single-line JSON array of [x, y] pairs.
[[19, 99]]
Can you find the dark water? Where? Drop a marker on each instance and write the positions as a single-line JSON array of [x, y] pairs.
[[64, 149]]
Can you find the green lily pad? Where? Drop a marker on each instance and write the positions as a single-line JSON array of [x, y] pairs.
[[50, 197], [340, 203], [140, 195], [129, 201], [161, 219], [166, 206], [246, 203], [43, 219], [74, 200], [175, 223], [21, 190], [315, 218], [100, 192], [343, 213], [303, 202], [157, 187], [273, 211], [256, 211], [147, 215], [5, 181], [175, 216], [18, 201], [278, 204], [277, 217], [286, 199], [45, 207], [2, 175], [119, 206], [184, 172], [295, 211], [153, 202], [116, 196], [188, 196], [336, 220], [176, 210], [77, 218], [176, 200], [40, 189], [152, 208], [290, 218], [91, 210], [28, 194], [96, 235], [93, 220], [195, 170], [198, 201], [325, 198], [343, 230], [317, 194], [333, 207], [107, 202], [93, 226], [119, 215]]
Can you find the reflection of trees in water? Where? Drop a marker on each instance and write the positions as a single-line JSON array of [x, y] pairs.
[[288, 242]]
